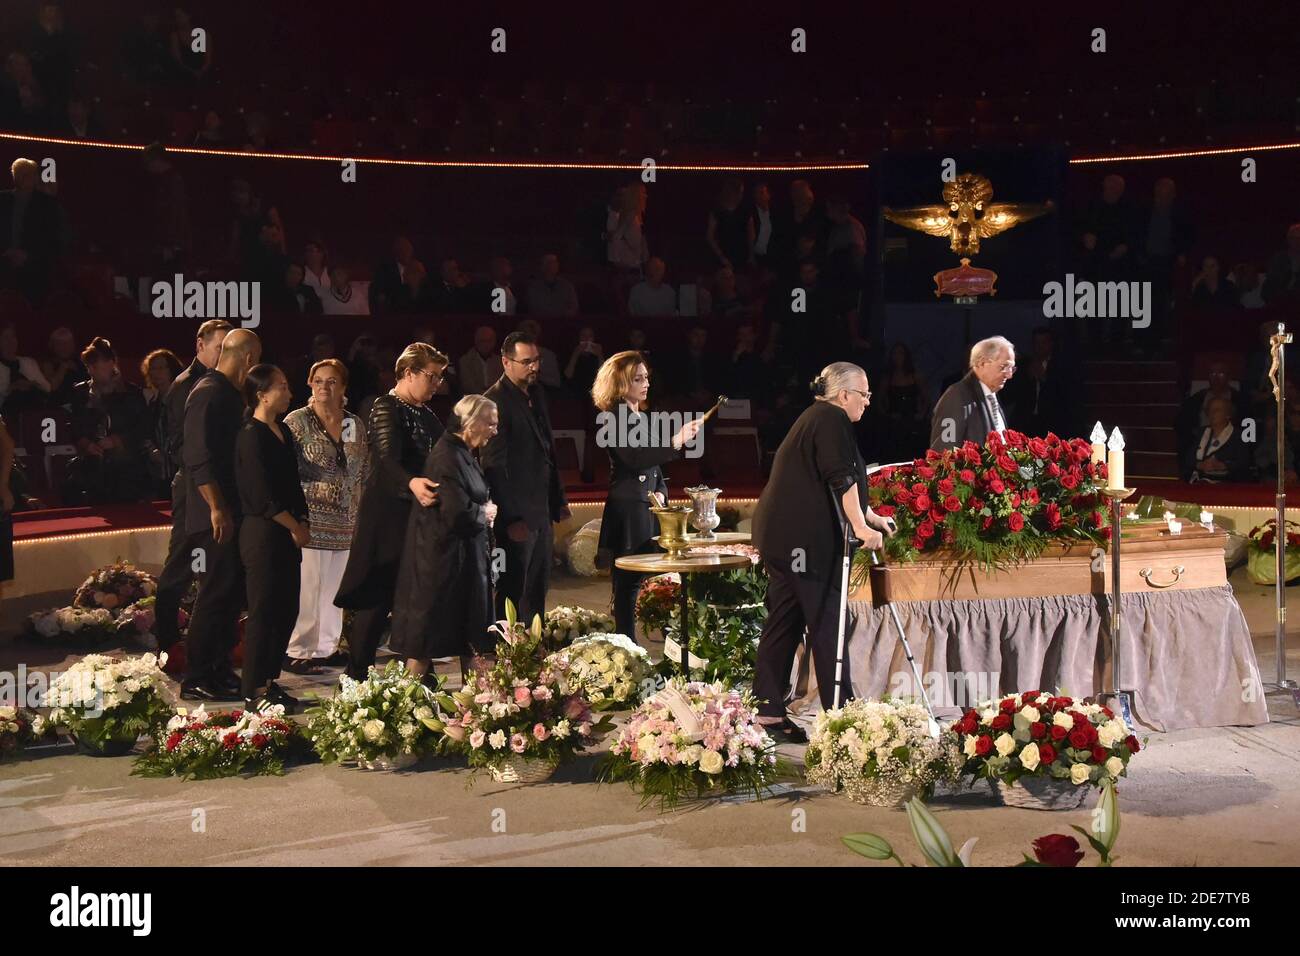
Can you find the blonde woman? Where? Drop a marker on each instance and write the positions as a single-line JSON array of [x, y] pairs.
[[444, 593], [635, 473]]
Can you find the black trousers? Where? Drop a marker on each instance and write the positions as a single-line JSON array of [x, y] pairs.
[[363, 639], [273, 571], [626, 584], [795, 602], [527, 573], [213, 625], [177, 571]]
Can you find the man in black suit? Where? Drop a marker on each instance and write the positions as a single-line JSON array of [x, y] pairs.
[[214, 413], [178, 570], [969, 409], [520, 466], [387, 282], [30, 233]]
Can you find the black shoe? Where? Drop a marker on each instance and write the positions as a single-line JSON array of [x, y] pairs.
[[337, 659], [200, 690], [786, 732], [275, 694], [227, 685]]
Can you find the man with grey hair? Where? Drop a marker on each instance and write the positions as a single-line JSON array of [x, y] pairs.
[[30, 233], [969, 409]]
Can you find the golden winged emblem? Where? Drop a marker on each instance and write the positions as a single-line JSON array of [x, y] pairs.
[[967, 216]]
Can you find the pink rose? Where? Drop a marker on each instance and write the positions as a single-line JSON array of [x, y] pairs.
[[523, 696], [518, 743], [540, 732], [541, 693]]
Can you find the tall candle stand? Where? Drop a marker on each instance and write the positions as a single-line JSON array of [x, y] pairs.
[[1118, 692], [1277, 376]]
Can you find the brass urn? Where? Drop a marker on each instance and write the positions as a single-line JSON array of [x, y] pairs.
[[672, 528]]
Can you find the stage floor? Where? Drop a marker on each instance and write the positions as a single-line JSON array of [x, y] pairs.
[[1198, 797]]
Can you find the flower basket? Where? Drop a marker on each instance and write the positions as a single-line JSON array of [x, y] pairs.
[[879, 752], [566, 623], [385, 722], [523, 770], [19, 727], [609, 670], [107, 703], [388, 764], [1046, 743], [1261, 558], [201, 746], [1043, 793]]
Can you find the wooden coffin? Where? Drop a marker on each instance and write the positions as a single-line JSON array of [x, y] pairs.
[[1150, 559]]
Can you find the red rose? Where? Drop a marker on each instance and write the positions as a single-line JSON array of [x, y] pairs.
[[947, 536], [1078, 739], [952, 503], [1001, 722], [1015, 500], [260, 740], [885, 511], [919, 489], [1008, 705], [1046, 754], [988, 523], [1038, 448], [975, 504], [1016, 521], [902, 495], [925, 530], [996, 486], [1032, 496], [230, 741], [1006, 464], [174, 740], [925, 471], [983, 744], [1097, 520], [1058, 850], [923, 502], [1069, 481], [1029, 695], [1131, 743], [937, 515], [1014, 438], [947, 486], [966, 475], [1038, 730], [1065, 701], [1053, 470], [917, 543], [931, 455], [1058, 732], [1099, 755]]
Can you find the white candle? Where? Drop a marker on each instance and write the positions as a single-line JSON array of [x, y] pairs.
[[1098, 439], [1115, 462], [1175, 527]]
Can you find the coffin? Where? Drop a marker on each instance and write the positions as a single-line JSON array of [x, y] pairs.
[[1151, 559]]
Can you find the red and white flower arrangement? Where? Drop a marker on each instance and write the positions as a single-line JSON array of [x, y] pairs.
[[203, 746]]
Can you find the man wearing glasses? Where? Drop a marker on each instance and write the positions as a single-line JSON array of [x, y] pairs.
[[970, 409], [520, 466]]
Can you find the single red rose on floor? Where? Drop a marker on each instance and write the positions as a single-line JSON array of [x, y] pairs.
[[1056, 849]]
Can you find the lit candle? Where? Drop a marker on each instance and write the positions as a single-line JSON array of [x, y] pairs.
[[1115, 460], [1207, 519], [1098, 440], [1175, 527]]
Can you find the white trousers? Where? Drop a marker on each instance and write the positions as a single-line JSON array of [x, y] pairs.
[[320, 623]]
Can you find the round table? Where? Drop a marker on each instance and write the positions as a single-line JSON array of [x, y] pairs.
[[687, 564], [719, 537]]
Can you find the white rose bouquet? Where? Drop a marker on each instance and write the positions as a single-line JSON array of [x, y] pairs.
[[566, 623], [108, 700], [879, 752], [87, 625], [693, 740], [609, 669], [391, 713]]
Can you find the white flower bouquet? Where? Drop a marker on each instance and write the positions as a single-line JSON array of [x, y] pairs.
[[86, 624], [609, 669], [201, 746], [18, 728], [108, 702], [693, 740], [566, 623], [391, 714], [879, 752]]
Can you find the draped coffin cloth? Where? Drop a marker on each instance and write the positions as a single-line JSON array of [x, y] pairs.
[[1187, 652]]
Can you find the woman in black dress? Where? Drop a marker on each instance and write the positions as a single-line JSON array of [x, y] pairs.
[[402, 430], [272, 534], [444, 595], [627, 526]]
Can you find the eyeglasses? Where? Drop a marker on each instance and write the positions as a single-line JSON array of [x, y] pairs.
[[1004, 367], [530, 363], [866, 396], [431, 374]]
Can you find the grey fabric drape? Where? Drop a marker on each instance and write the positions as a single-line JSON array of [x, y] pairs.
[[1186, 654]]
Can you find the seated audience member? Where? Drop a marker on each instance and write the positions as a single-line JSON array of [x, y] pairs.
[[158, 370], [726, 302], [500, 273], [211, 134], [23, 103], [1283, 276], [652, 296], [110, 428], [584, 362], [316, 272], [1210, 289], [363, 369], [388, 277], [416, 295], [451, 294], [1250, 285], [697, 376], [549, 373], [30, 233], [549, 293], [730, 231], [344, 297], [22, 385], [78, 122], [748, 376], [293, 296], [62, 366], [1218, 453], [251, 214], [1194, 414], [480, 366]]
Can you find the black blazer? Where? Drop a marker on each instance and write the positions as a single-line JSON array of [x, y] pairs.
[[172, 424], [41, 232], [626, 526], [397, 454], [964, 403], [520, 459], [1232, 453], [214, 414], [816, 463], [266, 470]]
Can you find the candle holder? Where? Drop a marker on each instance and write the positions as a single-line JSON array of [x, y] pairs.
[[1118, 693]]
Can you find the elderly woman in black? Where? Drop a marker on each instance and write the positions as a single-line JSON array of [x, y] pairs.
[[626, 527], [818, 481], [444, 595], [402, 430], [272, 534]]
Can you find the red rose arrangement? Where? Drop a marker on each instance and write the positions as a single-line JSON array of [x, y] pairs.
[[1000, 504], [203, 746]]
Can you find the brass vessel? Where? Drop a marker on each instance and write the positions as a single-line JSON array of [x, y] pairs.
[[672, 528]]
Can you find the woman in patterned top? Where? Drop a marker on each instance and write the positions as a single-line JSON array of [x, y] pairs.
[[333, 461], [401, 429]]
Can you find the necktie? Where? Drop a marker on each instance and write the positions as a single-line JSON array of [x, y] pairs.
[[995, 411]]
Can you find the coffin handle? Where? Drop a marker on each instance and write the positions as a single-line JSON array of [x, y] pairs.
[[1146, 573]]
